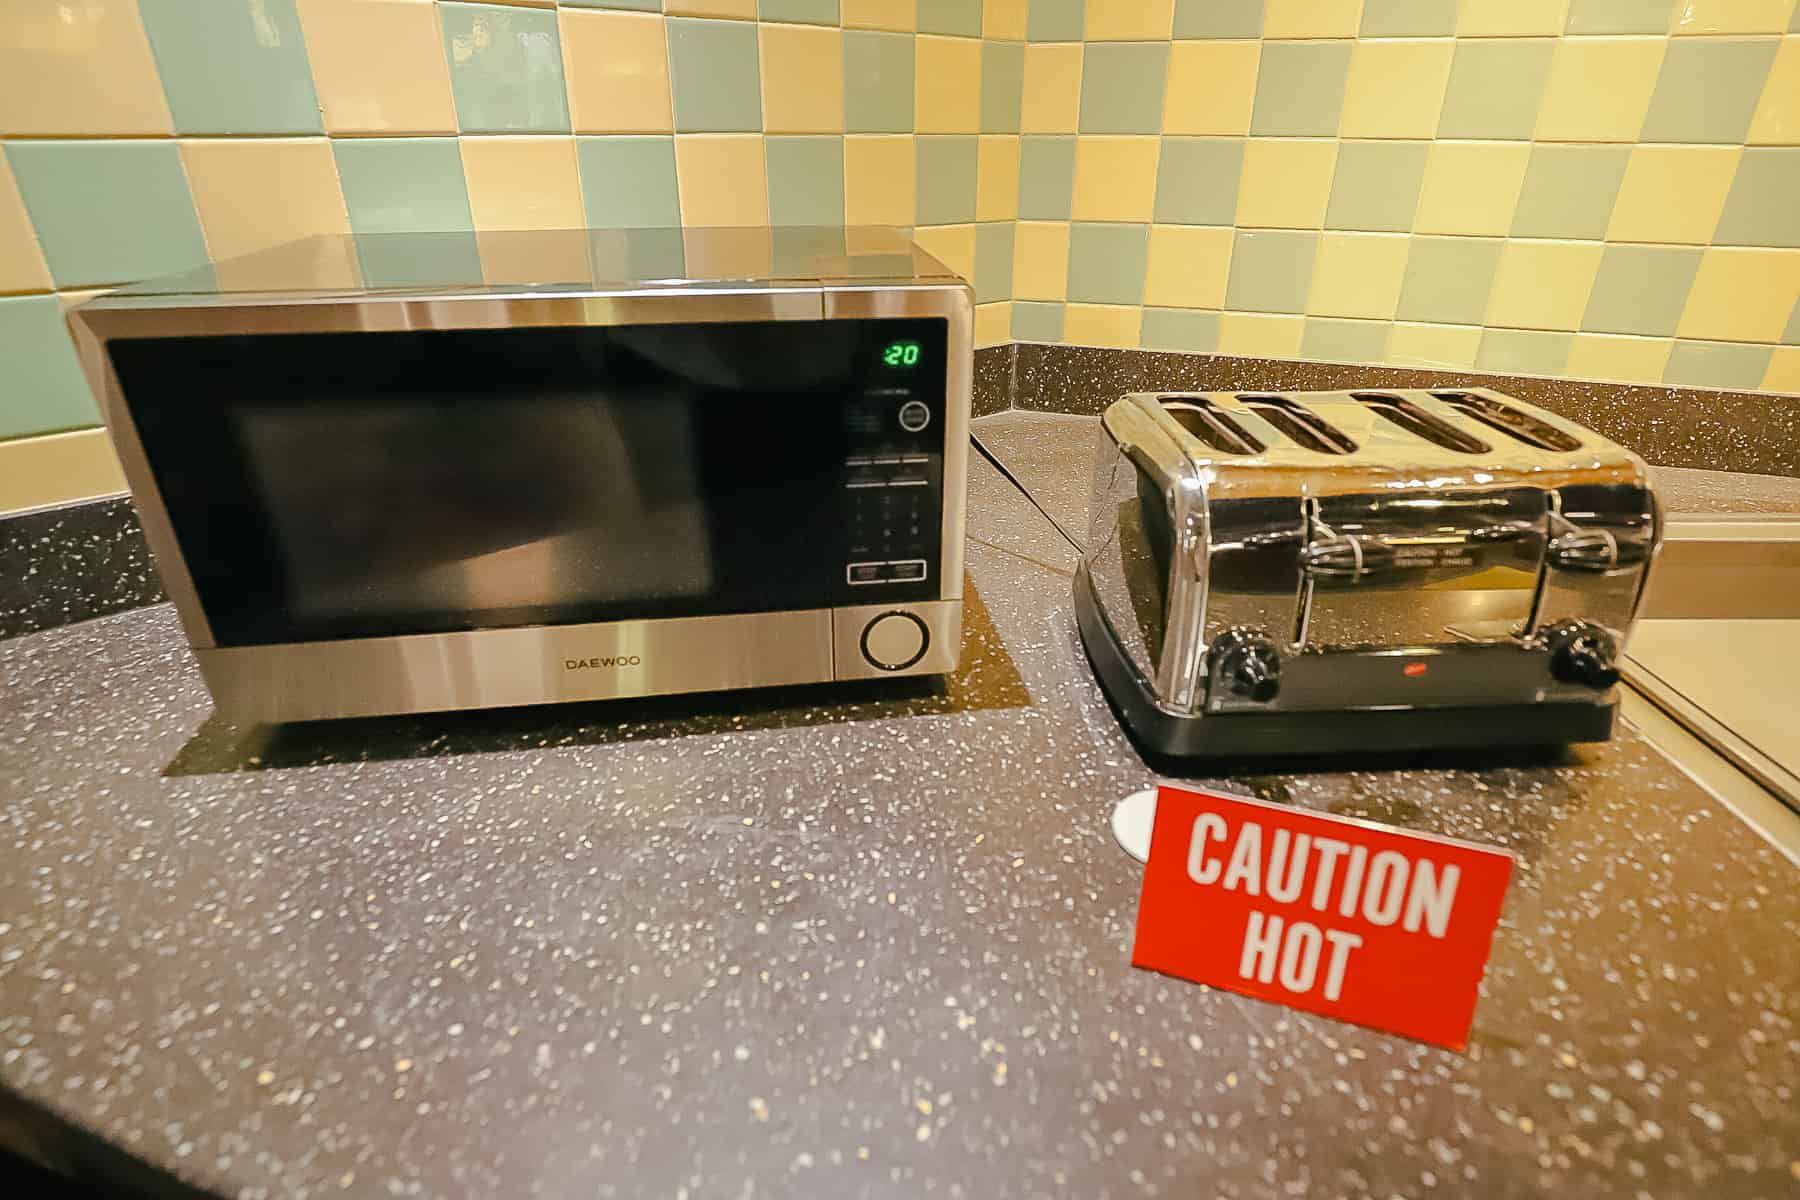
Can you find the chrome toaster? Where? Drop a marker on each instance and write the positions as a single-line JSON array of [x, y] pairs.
[[1313, 572]]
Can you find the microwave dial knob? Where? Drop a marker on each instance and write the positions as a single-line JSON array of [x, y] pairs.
[[1581, 652], [1248, 664], [915, 415], [895, 641]]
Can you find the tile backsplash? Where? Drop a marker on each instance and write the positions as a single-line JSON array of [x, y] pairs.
[[1595, 188]]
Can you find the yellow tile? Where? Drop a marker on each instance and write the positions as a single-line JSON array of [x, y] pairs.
[[1260, 335], [523, 182], [1102, 325], [1783, 374], [1052, 101], [1115, 178], [1619, 358], [745, 9], [1212, 86], [1511, 18], [378, 66], [997, 178], [993, 324], [1731, 16], [58, 468], [952, 245], [1130, 21], [1451, 346], [1286, 182], [879, 14], [1599, 89], [1742, 295], [617, 65], [1041, 260], [1004, 20], [878, 179], [530, 256], [1396, 89], [22, 267], [1310, 18], [78, 69], [257, 192], [724, 179], [1777, 119], [1673, 194], [1471, 187], [802, 79], [947, 84], [1358, 275], [1543, 285], [1188, 266]]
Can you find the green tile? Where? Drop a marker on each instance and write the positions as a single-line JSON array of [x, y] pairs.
[[993, 261], [804, 12], [108, 212], [1496, 85], [806, 180], [713, 75], [1218, 18], [1619, 16], [1046, 178], [628, 182], [1791, 335], [45, 390], [635, 5], [1329, 339], [1035, 322], [1122, 86], [1186, 329], [1300, 88], [1641, 289], [878, 82], [946, 180], [1002, 86], [1056, 21], [950, 16], [505, 68], [1376, 186], [1448, 279], [1524, 351], [1569, 191], [418, 260], [232, 68], [1197, 181], [1708, 89], [1408, 18], [1736, 365], [1271, 270], [1107, 262], [401, 185], [1763, 208], [658, 253]]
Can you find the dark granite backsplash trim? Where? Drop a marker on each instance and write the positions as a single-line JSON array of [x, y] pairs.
[[993, 379], [1669, 426], [61, 565]]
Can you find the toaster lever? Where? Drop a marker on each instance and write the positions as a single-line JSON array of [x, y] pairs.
[[1578, 548]]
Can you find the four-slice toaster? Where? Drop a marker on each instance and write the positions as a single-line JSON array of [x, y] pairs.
[[1313, 572]]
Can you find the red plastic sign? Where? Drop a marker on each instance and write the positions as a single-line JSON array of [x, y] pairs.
[[1336, 916]]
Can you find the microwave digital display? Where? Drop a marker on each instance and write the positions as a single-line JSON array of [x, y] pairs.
[[346, 485]]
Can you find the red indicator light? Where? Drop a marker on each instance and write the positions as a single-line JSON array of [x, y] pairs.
[[1414, 670]]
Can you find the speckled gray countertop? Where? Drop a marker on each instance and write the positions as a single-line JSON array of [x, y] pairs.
[[820, 943]]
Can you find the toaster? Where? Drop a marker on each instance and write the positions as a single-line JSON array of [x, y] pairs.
[[1317, 572]]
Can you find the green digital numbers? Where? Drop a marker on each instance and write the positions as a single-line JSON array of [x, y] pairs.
[[901, 354]]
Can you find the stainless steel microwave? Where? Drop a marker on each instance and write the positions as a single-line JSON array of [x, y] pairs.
[[417, 472]]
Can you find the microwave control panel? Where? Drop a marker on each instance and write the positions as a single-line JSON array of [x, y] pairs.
[[894, 480]]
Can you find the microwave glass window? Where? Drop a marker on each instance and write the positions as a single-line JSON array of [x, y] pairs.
[[374, 484]]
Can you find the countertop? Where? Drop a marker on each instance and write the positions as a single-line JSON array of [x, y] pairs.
[[821, 942]]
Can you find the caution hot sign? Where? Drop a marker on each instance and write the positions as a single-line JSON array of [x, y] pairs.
[[1336, 916]]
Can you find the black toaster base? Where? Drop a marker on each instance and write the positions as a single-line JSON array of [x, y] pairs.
[[1362, 731]]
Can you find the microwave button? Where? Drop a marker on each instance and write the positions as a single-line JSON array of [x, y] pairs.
[[910, 570], [862, 573], [895, 641], [915, 459], [915, 415]]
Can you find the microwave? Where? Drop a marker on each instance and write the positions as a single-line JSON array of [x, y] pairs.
[[420, 472]]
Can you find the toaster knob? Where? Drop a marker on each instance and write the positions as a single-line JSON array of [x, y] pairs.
[[1581, 652], [1248, 664]]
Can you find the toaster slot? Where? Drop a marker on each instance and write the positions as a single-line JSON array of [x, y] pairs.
[[1211, 424], [1514, 422], [1421, 424], [1300, 425]]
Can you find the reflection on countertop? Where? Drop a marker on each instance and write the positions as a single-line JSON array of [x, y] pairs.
[[883, 956]]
